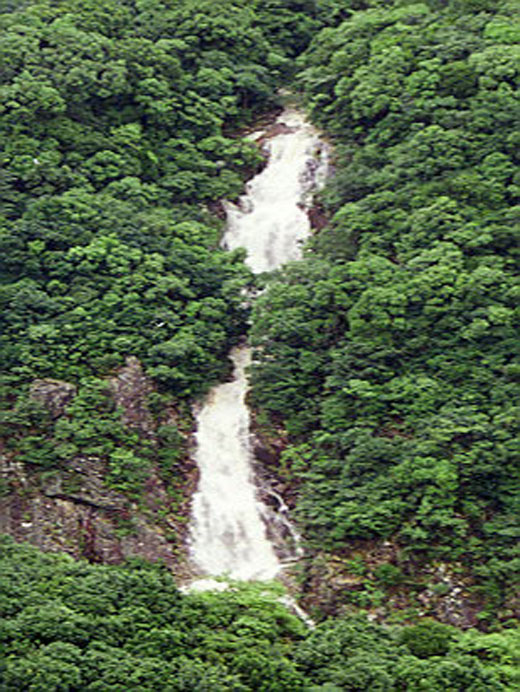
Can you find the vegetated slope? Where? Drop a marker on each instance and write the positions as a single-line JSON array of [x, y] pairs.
[[390, 353], [112, 126], [117, 305], [75, 626]]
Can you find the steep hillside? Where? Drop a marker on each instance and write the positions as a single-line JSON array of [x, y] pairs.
[[390, 354], [118, 308], [385, 386]]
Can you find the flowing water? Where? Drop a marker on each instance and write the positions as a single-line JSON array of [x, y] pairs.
[[228, 533], [270, 220]]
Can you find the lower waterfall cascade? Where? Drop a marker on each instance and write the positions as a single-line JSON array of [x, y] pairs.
[[228, 534]]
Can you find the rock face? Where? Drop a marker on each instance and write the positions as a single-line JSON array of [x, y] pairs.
[[131, 388], [71, 509], [375, 576], [71, 524], [54, 395]]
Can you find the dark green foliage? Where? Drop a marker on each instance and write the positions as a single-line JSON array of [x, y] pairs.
[[389, 353], [107, 127], [428, 639], [70, 625], [114, 127], [352, 654]]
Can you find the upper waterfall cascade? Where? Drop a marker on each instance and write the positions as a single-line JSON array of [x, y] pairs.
[[228, 534], [270, 220]]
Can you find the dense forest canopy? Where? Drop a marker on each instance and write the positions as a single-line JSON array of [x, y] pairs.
[[390, 352], [387, 357], [115, 124], [73, 626]]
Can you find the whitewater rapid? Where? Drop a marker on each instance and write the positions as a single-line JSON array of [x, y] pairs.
[[228, 530]]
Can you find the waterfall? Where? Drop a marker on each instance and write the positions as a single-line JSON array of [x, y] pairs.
[[270, 220], [228, 533]]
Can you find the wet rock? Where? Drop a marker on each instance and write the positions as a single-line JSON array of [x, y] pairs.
[[275, 129], [99, 534], [69, 508], [328, 585], [317, 217], [72, 512], [218, 209], [334, 585], [447, 596]]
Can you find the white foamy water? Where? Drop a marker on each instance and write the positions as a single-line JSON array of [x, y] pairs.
[[270, 220], [228, 534]]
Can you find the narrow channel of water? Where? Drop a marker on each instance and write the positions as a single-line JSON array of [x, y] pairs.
[[228, 534]]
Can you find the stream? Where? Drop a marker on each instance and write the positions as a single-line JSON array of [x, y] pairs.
[[228, 533]]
